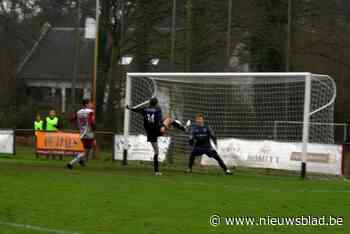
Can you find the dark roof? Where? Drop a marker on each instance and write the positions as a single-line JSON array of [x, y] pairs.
[[53, 58]]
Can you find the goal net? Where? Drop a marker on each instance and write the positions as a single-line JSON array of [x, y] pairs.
[[250, 106]]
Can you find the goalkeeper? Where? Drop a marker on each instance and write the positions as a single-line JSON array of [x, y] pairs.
[[200, 137], [155, 126]]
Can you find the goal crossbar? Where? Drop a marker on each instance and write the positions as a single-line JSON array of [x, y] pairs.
[[219, 74]]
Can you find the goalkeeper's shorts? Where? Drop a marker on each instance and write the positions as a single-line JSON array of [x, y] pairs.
[[210, 152]]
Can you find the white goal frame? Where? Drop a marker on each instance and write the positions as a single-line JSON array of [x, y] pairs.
[[307, 99]]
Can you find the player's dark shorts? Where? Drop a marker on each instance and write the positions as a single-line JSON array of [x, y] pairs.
[[152, 136], [210, 152], [88, 143]]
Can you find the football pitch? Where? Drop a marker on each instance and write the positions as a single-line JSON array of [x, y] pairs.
[[42, 196]]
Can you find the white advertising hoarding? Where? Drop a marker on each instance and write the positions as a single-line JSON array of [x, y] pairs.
[[7, 141], [90, 28], [139, 148], [321, 158]]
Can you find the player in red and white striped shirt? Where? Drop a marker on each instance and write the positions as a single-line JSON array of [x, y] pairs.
[[85, 118]]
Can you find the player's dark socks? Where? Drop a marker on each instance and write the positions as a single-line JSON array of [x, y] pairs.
[[191, 162], [177, 124], [221, 163], [69, 166], [155, 163], [82, 163]]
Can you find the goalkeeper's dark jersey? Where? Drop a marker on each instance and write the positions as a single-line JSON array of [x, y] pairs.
[[200, 136]]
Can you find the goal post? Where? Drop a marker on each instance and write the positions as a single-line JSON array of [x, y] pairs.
[[237, 105], [306, 123]]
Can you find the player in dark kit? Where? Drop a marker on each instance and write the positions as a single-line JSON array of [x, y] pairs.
[[155, 126], [200, 136]]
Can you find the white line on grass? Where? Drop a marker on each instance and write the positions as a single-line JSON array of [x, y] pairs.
[[36, 228]]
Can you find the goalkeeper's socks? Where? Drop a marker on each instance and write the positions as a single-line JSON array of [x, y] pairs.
[[177, 124], [155, 163]]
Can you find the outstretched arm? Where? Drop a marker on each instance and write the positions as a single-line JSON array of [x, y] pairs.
[[191, 140], [135, 109], [212, 136], [138, 108]]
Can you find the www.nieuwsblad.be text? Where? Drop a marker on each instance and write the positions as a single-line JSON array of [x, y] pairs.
[[218, 220]]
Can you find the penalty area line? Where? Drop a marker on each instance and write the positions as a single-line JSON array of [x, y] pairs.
[[36, 228]]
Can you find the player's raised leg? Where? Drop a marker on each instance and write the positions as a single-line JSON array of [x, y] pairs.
[[170, 122]]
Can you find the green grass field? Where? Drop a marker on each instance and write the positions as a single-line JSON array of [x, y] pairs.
[[106, 197]]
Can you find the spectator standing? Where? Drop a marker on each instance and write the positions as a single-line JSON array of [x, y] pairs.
[[38, 123], [52, 124]]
